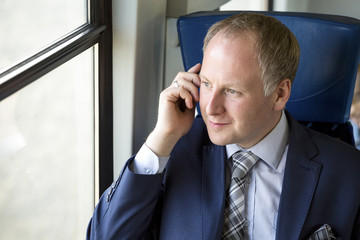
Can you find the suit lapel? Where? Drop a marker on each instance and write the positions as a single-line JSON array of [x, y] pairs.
[[299, 184], [213, 191]]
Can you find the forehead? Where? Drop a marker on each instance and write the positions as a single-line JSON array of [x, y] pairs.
[[231, 62], [231, 54], [230, 31], [233, 42]]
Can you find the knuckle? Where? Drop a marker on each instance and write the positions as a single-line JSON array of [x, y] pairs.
[[180, 75]]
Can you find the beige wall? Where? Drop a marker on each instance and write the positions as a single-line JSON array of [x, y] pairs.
[[344, 7]]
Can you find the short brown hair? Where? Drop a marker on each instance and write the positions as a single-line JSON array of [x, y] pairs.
[[276, 47]]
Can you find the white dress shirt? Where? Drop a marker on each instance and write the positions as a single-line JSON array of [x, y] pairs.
[[264, 179]]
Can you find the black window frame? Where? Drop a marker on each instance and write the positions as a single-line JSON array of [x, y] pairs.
[[98, 30]]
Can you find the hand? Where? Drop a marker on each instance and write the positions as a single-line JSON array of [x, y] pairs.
[[176, 112]]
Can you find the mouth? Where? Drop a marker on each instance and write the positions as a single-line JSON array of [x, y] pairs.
[[217, 125]]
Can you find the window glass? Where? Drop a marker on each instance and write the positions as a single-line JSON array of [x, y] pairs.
[[47, 155], [28, 26]]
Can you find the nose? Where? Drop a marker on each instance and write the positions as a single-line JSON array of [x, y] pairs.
[[215, 104]]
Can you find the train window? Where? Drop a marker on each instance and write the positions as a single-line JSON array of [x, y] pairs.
[[47, 154], [56, 145], [28, 26]]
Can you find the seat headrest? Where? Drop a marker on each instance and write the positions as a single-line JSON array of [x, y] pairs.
[[329, 59]]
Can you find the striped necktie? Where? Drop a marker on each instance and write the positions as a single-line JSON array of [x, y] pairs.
[[234, 219]]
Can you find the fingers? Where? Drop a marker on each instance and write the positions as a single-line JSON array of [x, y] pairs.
[[188, 87], [195, 69], [187, 97], [191, 75], [189, 81], [179, 96]]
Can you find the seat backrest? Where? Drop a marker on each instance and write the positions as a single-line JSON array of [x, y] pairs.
[[322, 92]]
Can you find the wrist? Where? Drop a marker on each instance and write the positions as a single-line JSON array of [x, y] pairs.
[[161, 143]]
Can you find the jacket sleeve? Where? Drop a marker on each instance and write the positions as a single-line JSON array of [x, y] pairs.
[[129, 209]]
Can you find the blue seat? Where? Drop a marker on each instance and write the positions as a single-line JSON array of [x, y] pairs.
[[330, 54]]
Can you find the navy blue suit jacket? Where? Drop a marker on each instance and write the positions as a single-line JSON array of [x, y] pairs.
[[321, 186]]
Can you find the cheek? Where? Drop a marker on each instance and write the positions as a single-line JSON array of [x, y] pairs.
[[242, 112], [203, 101]]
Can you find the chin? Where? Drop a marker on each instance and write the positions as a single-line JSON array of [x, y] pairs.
[[218, 140]]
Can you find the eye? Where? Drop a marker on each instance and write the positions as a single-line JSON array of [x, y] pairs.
[[231, 91], [206, 84]]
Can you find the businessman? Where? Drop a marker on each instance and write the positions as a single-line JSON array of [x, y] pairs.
[[245, 169]]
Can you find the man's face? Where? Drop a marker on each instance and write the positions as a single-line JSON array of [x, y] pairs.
[[232, 101]]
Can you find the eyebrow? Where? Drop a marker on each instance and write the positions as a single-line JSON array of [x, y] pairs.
[[204, 77], [229, 85]]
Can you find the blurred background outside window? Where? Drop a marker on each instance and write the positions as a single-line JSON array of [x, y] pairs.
[[48, 129]]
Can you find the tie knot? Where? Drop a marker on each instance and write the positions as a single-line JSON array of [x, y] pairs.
[[243, 161]]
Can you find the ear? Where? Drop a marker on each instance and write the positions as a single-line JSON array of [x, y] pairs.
[[282, 94]]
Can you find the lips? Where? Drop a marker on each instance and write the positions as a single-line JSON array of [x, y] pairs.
[[217, 125]]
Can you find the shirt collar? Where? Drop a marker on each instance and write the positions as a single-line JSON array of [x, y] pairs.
[[271, 148]]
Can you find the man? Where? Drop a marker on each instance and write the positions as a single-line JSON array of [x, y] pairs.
[[180, 185]]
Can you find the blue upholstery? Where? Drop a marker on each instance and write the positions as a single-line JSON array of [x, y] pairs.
[[330, 52]]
